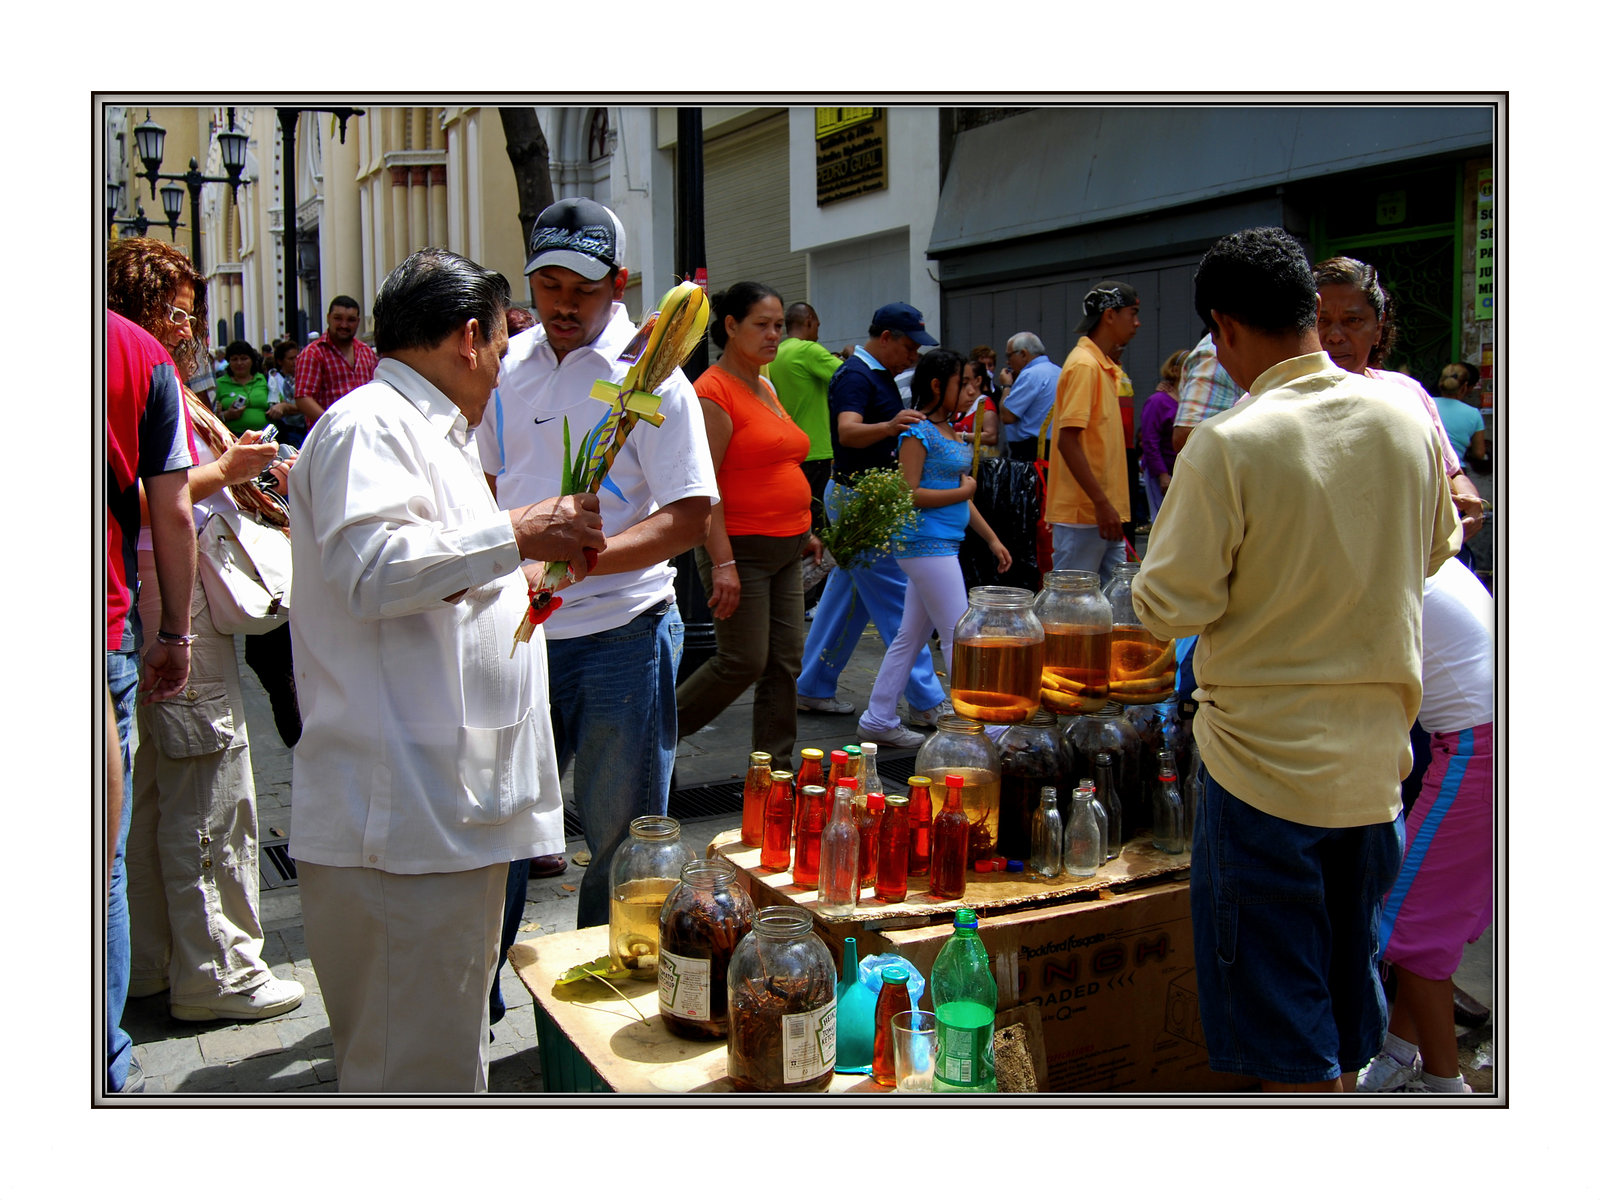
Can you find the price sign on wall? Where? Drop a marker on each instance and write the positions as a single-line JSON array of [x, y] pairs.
[[1483, 273], [852, 152]]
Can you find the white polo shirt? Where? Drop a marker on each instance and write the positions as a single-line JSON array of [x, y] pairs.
[[520, 444], [427, 746]]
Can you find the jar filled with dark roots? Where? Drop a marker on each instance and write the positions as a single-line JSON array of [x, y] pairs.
[[781, 1006], [701, 924]]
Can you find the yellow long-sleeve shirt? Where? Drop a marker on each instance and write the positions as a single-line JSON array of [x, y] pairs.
[[1294, 540]]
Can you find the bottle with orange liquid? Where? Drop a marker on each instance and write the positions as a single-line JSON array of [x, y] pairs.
[[894, 996], [809, 822], [1142, 666], [947, 876], [919, 825], [894, 845], [1077, 642], [810, 770], [777, 823], [757, 779], [869, 822], [998, 657]]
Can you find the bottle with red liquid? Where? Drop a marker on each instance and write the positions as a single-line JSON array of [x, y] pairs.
[[777, 822], [894, 843], [811, 773], [838, 768], [757, 779], [919, 824], [869, 821], [809, 823], [947, 873], [894, 997]]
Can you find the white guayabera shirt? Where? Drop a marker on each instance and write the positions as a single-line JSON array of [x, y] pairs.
[[427, 746]]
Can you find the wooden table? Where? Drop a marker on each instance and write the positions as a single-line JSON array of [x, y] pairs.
[[591, 1040]]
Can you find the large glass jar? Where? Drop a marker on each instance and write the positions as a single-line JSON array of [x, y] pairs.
[[961, 747], [1030, 759], [701, 924], [1157, 728], [644, 870], [1142, 667], [1108, 730], [1076, 618], [782, 1011], [998, 657]]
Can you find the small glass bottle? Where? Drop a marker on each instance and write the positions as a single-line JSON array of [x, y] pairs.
[[894, 845], [1105, 791], [777, 823], [1142, 666], [644, 871], [853, 770], [1085, 847], [811, 772], [948, 870], [809, 823], [1099, 811], [1048, 834], [894, 996], [868, 781], [869, 821], [838, 768], [701, 923], [1167, 829], [782, 1006], [919, 819], [840, 870], [1077, 642], [757, 779], [998, 657], [1194, 795]]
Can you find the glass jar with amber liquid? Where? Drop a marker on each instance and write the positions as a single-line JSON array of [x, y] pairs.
[[1143, 669], [1077, 642], [644, 871], [962, 747], [998, 657]]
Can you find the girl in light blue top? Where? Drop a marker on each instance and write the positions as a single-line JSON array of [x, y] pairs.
[[936, 462]]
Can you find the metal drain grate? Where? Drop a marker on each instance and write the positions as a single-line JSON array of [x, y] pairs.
[[277, 868]]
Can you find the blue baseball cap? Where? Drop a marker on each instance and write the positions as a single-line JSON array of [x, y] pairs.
[[902, 318]]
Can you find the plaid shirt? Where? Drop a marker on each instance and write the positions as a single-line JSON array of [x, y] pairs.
[[1205, 388], [322, 374]]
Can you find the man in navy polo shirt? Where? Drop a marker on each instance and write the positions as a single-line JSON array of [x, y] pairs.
[[867, 417]]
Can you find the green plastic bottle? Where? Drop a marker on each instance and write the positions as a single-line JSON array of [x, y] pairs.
[[964, 999]]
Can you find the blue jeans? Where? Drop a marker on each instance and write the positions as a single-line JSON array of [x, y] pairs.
[[872, 586], [1286, 949], [122, 675], [1081, 548]]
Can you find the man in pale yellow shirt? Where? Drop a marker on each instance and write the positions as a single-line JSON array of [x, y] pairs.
[[1294, 541], [1086, 494]]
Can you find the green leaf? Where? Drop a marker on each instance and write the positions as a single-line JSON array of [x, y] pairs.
[[600, 968], [566, 458]]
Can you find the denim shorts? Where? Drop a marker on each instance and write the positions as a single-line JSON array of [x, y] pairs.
[[1286, 940]]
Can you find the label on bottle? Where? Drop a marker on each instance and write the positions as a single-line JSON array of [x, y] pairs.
[[685, 986], [808, 1043], [965, 1058]]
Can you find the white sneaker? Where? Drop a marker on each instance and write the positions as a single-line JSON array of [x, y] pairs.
[[899, 737], [928, 716], [824, 704], [1419, 1087], [1386, 1073], [271, 998]]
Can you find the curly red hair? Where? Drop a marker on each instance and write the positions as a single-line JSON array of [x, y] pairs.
[[142, 277]]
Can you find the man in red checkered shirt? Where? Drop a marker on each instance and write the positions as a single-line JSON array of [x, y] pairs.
[[336, 363]]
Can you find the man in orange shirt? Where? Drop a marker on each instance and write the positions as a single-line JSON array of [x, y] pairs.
[[1086, 496]]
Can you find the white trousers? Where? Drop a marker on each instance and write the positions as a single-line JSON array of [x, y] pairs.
[[936, 598], [405, 963]]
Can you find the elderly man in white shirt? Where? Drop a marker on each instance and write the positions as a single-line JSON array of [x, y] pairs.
[[427, 762]]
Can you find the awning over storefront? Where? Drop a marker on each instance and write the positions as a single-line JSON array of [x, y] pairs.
[[1057, 169]]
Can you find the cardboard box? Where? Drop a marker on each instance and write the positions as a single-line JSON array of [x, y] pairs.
[[1114, 982]]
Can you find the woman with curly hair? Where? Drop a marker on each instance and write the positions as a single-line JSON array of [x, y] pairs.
[[193, 881]]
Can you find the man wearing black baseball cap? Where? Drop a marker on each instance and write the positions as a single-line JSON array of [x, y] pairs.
[[614, 644], [868, 416], [1086, 494]]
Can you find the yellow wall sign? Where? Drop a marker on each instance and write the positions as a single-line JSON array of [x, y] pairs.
[[852, 152]]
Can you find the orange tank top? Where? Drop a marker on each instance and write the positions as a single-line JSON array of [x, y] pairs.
[[764, 491]]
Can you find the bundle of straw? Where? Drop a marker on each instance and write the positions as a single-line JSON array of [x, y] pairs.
[[666, 339]]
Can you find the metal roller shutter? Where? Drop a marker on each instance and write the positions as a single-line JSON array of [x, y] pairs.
[[747, 210]]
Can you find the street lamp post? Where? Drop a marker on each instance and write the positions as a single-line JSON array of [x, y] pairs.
[[151, 138], [139, 223], [288, 119]]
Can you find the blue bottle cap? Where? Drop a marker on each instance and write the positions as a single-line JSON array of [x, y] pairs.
[[1013, 866]]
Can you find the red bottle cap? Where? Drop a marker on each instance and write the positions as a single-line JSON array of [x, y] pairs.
[[839, 756], [984, 866], [875, 802], [953, 781]]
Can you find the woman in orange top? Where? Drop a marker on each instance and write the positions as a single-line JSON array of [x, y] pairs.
[[759, 533]]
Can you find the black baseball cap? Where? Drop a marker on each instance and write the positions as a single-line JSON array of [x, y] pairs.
[[904, 319], [579, 234]]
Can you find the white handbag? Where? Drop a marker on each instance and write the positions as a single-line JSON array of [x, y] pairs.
[[245, 570]]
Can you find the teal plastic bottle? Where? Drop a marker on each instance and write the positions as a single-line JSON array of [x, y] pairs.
[[964, 999]]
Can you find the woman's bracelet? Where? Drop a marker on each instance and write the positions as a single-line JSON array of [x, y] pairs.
[[174, 639], [729, 563]]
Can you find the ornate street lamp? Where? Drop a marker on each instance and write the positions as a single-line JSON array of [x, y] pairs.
[[150, 140]]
